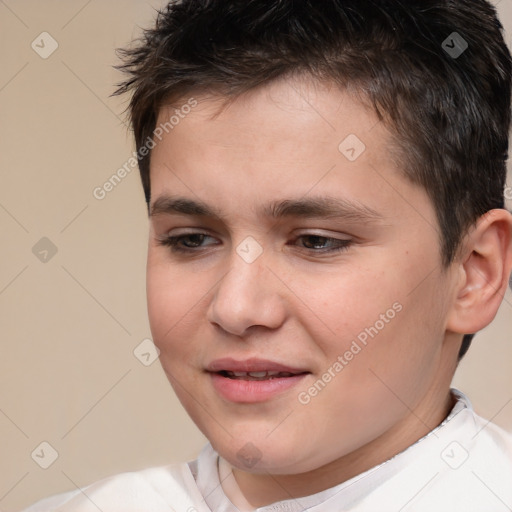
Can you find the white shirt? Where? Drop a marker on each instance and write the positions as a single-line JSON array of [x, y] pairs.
[[465, 464]]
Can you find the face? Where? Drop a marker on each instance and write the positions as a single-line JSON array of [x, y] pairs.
[[294, 276]]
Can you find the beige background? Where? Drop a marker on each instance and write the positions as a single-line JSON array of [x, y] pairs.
[[68, 374]]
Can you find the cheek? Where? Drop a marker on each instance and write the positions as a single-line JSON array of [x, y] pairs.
[[400, 353], [396, 327], [173, 300], [352, 302]]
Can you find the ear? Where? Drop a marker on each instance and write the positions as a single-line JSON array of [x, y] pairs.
[[484, 266]]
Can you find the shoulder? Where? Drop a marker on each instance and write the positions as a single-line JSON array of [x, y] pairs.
[[491, 440], [152, 489], [476, 469], [488, 446]]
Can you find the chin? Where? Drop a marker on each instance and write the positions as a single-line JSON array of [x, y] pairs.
[[259, 453]]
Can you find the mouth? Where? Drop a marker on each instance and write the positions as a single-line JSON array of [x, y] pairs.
[[253, 380], [258, 376], [253, 369]]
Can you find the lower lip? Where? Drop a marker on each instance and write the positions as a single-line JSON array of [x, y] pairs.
[[252, 391]]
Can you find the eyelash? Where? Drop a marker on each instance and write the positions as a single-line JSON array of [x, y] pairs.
[[173, 241]]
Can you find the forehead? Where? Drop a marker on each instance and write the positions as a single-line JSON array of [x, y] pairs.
[[294, 103], [288, 139], [297, 120]]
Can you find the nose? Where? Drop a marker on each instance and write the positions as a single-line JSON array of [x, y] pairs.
[[249, 294]]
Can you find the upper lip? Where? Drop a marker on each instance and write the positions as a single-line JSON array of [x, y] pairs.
[[251, 365]]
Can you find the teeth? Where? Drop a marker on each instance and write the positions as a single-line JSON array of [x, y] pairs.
[[258, 375]]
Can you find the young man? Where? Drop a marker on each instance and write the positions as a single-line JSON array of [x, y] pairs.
[[327, 230]]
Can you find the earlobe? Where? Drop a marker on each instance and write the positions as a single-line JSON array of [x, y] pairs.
[[485, 269]]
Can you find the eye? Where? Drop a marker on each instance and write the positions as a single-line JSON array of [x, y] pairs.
[[186, 243], [323, 244]]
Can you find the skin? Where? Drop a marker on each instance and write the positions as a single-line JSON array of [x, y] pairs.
[[297, 304]]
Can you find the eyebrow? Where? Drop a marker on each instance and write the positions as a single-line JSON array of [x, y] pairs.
[[311, 207]]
